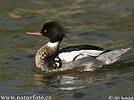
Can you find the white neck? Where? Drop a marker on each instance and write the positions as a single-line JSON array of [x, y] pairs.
[[50, 44]]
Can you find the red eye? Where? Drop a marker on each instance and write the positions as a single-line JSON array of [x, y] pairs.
[[45, 31]]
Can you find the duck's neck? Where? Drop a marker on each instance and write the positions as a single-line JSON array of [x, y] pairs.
[[53, 45], [50, 48]]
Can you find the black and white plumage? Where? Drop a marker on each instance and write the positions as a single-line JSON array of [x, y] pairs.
[[49, 58], [91, 57], [76, 52]]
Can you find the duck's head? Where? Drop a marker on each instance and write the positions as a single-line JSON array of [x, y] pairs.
[[53, 30]]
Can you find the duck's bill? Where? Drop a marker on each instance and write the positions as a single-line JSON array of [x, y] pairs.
[[34, 33]]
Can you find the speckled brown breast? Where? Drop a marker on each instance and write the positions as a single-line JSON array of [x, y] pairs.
[[42, 53]]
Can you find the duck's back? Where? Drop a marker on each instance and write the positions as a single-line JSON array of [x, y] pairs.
[[72, 53]]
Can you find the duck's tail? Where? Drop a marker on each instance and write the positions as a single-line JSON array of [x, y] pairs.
[[114, 55]]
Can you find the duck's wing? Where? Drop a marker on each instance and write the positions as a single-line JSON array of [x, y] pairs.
[[92, 63], [72, 53]]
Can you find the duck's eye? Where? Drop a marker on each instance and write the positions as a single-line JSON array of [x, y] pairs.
[[45, 31]]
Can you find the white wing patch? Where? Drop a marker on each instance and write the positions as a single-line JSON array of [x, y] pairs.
[[69, 56]]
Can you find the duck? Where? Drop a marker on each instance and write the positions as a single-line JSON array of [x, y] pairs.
[[49, 58]]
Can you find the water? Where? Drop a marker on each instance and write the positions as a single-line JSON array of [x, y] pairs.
[[108, 24]]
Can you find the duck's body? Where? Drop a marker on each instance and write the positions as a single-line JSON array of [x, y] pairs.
[[49, 58]]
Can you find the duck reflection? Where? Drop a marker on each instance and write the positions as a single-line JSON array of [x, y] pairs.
[[74, 80]]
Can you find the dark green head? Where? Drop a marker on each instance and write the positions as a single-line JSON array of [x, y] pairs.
[[53, 30]]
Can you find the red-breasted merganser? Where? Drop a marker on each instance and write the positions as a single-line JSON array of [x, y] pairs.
[[49, 58]]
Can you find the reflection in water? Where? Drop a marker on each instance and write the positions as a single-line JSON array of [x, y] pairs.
[[74, 81], [57, 82]]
